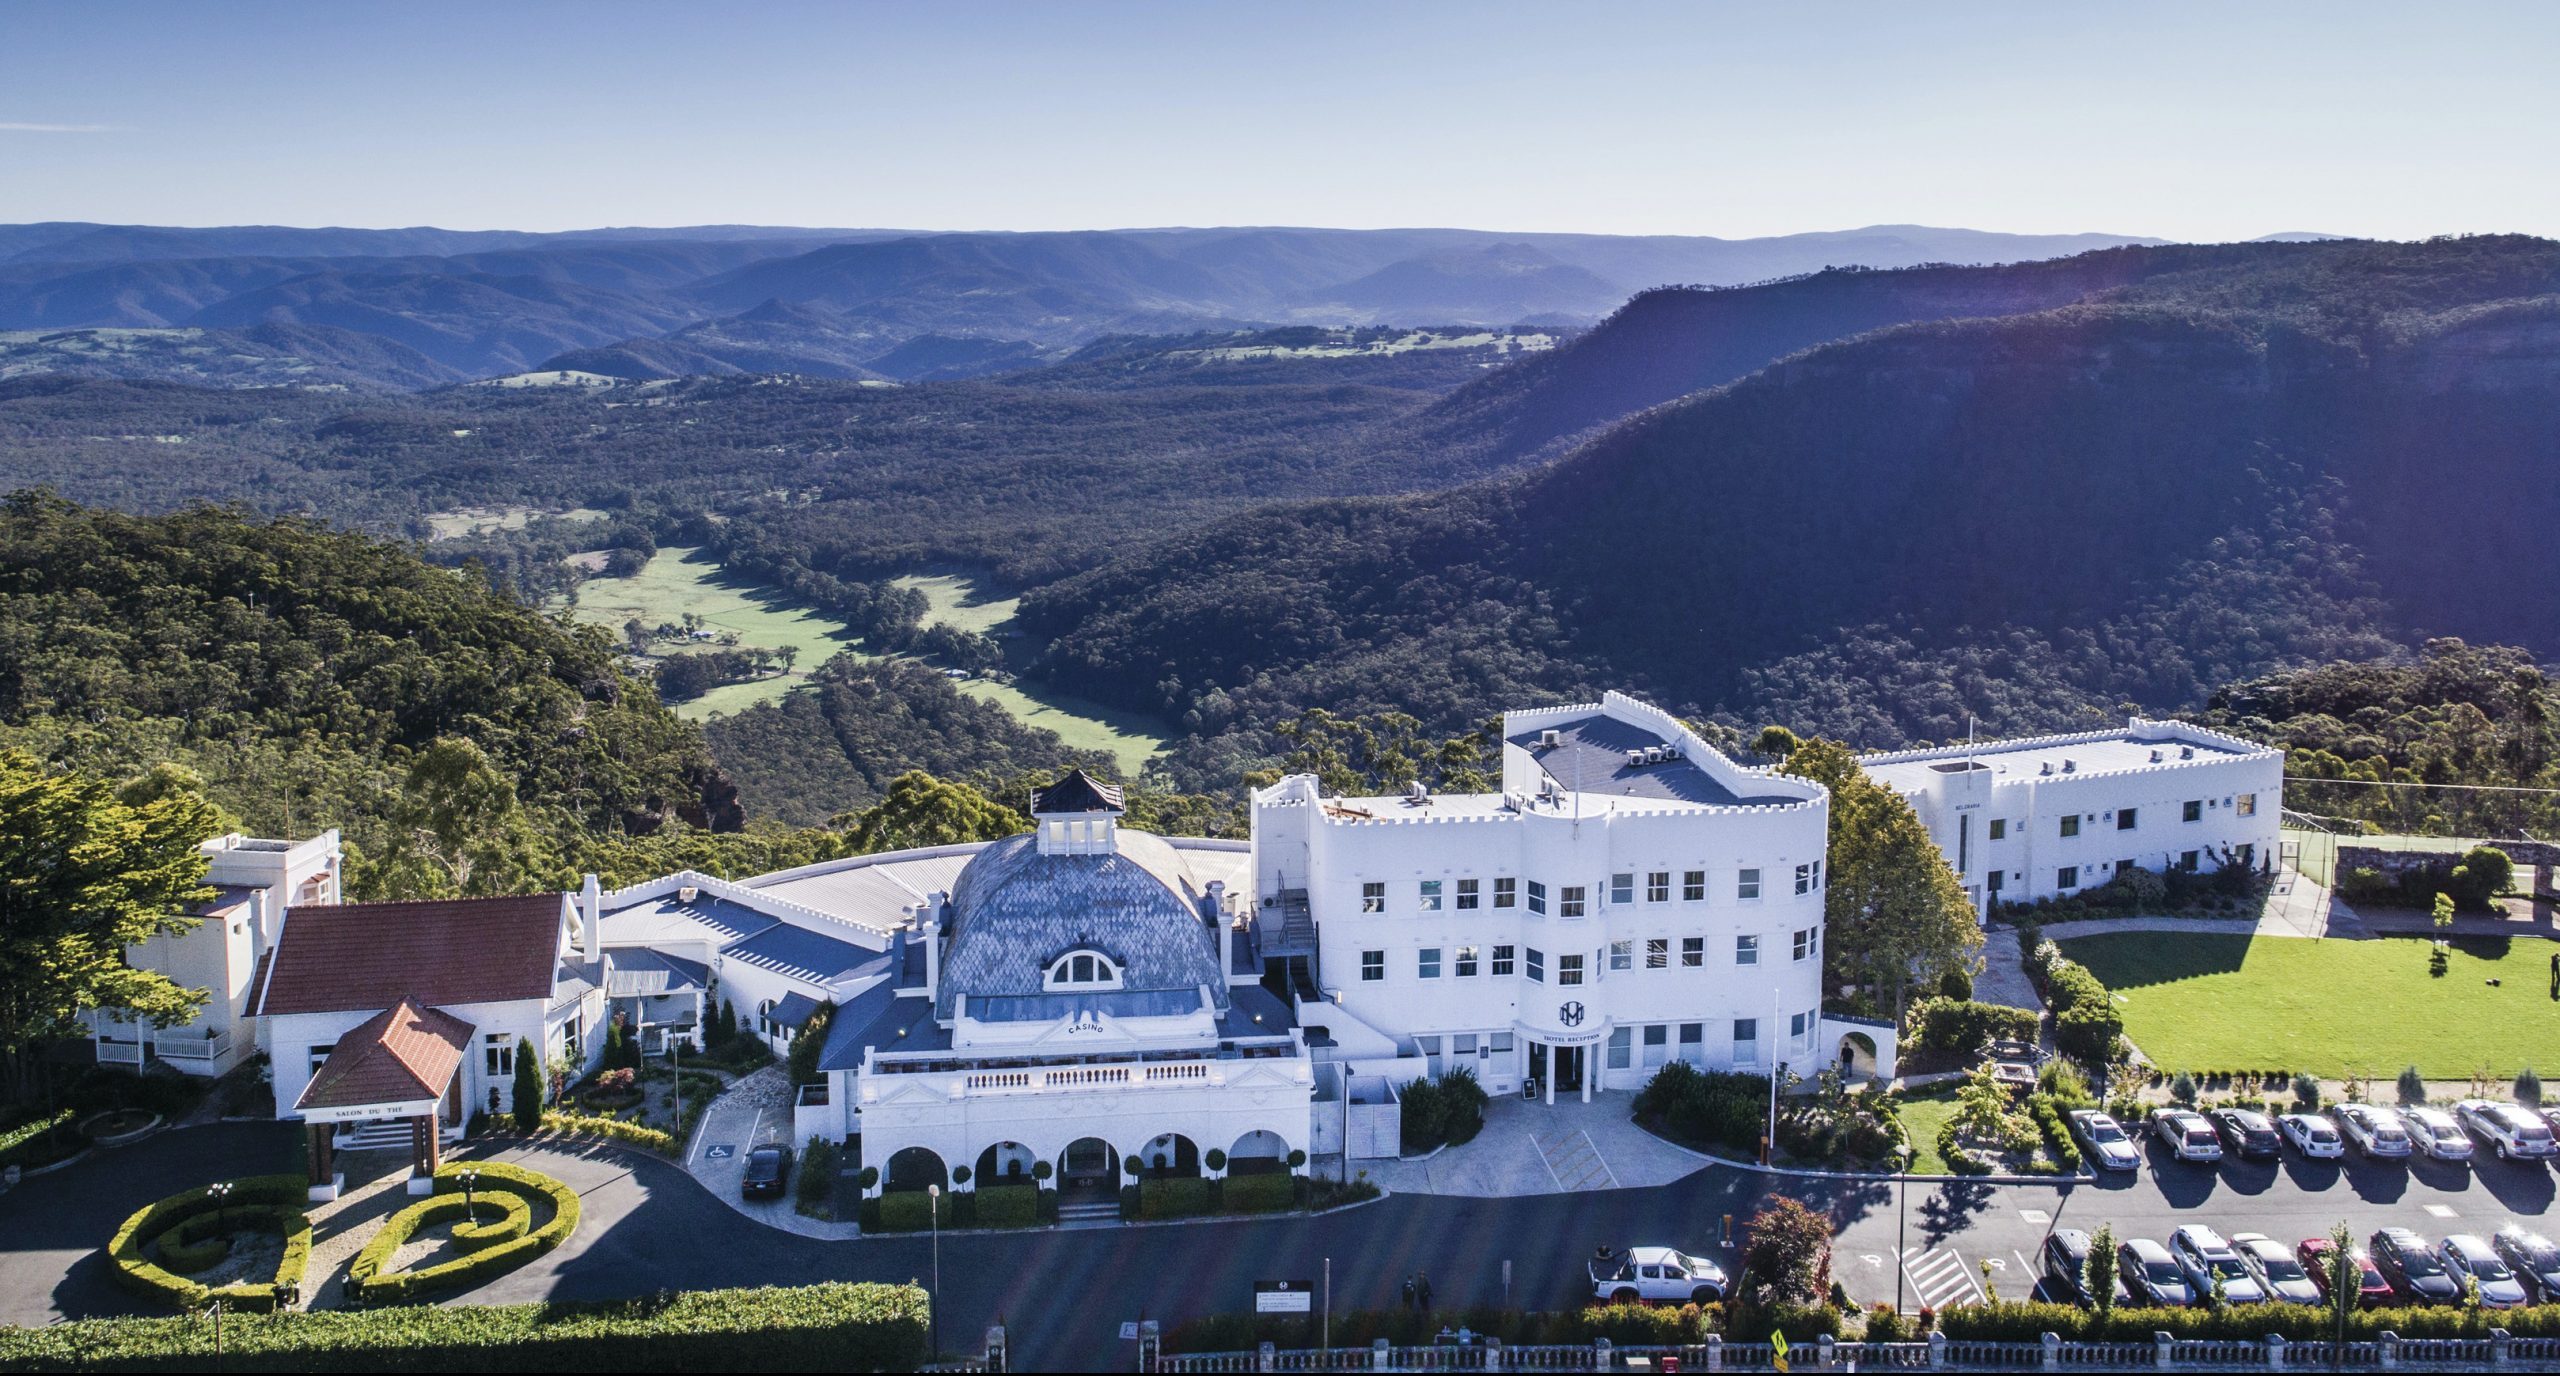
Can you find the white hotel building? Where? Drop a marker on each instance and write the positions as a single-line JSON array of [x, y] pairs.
[[2048, 816]]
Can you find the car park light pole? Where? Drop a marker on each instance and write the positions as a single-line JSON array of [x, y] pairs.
[[933, 1198], [1902, 1230]]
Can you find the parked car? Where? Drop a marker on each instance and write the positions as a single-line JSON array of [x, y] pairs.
[[2103, 1140], [2371, 1288], [2312, 1135], [2205, 1257], [1637, 1275], [2375, 1131], [2151, 1275], [768, 1171], [2278, 1273], [2470, 1258], [2065, 1261], [2187, 1135], [2247, 1133], [2417, 1274], [2533, 1257], [2516, 1134], [2437, 1133]]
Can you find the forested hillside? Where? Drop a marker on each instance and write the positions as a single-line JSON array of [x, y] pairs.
[[2222, 471]]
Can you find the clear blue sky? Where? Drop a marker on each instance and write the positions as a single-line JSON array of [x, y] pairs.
[[2202, 121]]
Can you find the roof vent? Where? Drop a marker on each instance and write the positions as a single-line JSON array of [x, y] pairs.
[[2070, 765], [2048, 768], [2155, 757], [1550, 738], [687, 893], [2186, 752], [1417, 792]]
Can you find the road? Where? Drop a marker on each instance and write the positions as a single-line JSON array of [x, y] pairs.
[[1063, 1294]]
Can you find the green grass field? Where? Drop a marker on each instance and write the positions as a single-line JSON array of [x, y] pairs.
[[2331, 1007], [676, 581], [1924, 1115]]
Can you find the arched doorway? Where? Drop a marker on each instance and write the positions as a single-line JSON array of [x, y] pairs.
[[915, 1168], [1857, 1055], [1170, 1154], [1257, 1153], [1088, 1163], [1005, 1163]]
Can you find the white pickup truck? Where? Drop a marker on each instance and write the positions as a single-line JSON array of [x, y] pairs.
[[1655, 1275]]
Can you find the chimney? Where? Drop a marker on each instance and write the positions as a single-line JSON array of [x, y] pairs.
[[932, 929], [591, 919]]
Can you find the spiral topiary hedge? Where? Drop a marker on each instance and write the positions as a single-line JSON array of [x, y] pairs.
[[267, 1200], [492, 1248]]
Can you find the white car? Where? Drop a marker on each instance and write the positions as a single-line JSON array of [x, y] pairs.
[[2275, 1268], [2204, 1256], [1638, 1275], [2375, 1131], [2188, 1135], [2312, 1135], [2516, 1134], [2437, 1134]]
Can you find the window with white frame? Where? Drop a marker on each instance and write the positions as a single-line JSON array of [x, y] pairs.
[[1466, 962], [1506, 892], [1622, 955], [1693, 1042], [1430, 895], [1795, 1026], [1621, 1047], [2068, 877], [1573, 901], [1622, 888], [1746, 950], [1569, 968], [1537, 897], [1693, 952], [2192, 810], [1502, 1043], [2071, 825], [1373, 966], [498, 1054], [1804, 879], [1746, 1033], [1462, 1044], [1657, 1043], [1693, 886], [1470, 895], [1746, 884], [1373, 897], [1999, 828], [1084, 970], [1808, 943], [1657, 953], [1502, 960], [1537, 966], [2125, 818], [2246, 805], [320, 1055], [1427, 962], [1657, 887]]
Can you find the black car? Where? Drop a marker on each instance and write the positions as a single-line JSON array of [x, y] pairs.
[[768, 1171], [2066, 1266], [2247, 1132], [2416, 1273], [2534, 1259]]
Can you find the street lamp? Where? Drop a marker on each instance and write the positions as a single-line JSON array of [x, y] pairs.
[[1902, 1230], [933, 1193], [470, 1206], [221, 1194]]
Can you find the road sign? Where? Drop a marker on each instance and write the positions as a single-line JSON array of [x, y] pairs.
[[1129, 1331], [1284, 1297], [721, 1152], [1777, 1349]]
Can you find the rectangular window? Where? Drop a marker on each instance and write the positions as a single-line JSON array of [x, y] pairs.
[[1693, 886], [1571, 901], [1431, 895], [1466, 962], [1804, 879], [1693, 1042], [1657, 953], [1657, 1043], [1537, 897], [320, 1055], [1373, 898], [1506, 893], [1501, 1043], [1746, 885], [2071, 825], [1622, 955], [1469, 895], [2192, 810], [1537, 966], [1620, 1047], [1463, 1044], [1427, 962], [1569, 968], [2124, 867], [498, 1054], [2124, 818], [2068, 877], [1502, 961], [1622, 888], [2248, 855], [2188, 860], [1746, 950], [1657, 887], [1999, 828], [2246, 805], [1693, 952], [1805, 942], [1795, 1025], [1373, 966], [1992, 880], [1745, 1032]]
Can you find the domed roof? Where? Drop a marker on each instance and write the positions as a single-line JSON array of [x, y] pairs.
[[1014, 911]]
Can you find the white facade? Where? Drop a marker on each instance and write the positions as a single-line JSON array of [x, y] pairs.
[[1596, 919], [2053, 815]]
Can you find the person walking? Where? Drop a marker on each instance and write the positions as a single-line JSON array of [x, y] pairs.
[[1422, 1291]]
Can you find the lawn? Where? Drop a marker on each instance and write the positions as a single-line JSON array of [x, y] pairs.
[[1924, 1113], [2331, 1007]]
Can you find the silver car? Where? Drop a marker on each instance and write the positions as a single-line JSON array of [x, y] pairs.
[[2473, 1259], [2275, 1268], [2375, 1131], [2205, 1257], [2437, 1133]]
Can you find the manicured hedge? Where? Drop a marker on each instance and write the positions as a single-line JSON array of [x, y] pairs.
[[1008, 1206], [911, 1211], [835, 1327], [1260, 1194], [610, 1129], [2022, 1321], [1627, 1325], [1961, 1028], [514, 1219], [274, 1198], [1173, 1197], [495, 1257]]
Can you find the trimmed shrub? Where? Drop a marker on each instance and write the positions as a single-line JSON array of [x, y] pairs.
[[610, 1129], [2090, 1034], [1008, 1206], [832, 1327], [2528, 1087], [1260, 1194], [1706, 1106], [815, 1189], [2412, 1086], [273, 1197], [1960, 1029], [2024, 1321], [497, 1216], [913, 1211], [1173, 1197], [495, 1258]]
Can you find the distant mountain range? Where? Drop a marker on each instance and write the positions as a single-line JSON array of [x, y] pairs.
[[848, 303]]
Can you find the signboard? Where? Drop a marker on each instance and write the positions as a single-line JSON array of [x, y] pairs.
[[1128, 1330], [1284, 1297]]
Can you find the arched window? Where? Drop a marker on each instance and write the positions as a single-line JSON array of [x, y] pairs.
[[1084, 970]]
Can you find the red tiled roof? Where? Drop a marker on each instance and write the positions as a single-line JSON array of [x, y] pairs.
[[398, 1056], [332, 958]]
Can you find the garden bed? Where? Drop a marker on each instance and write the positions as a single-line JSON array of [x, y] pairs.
[[118, 1126]]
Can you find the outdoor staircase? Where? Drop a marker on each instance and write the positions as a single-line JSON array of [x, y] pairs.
[[1089, 1213], [390, 1134]]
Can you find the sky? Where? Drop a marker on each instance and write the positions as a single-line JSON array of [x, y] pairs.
[[2186, 121]]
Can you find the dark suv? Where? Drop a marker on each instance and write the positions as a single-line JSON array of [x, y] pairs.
[[2248, 1133], [2416, 1273], [768, 1171]]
